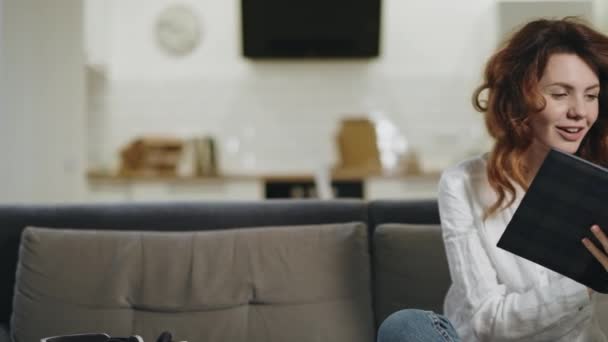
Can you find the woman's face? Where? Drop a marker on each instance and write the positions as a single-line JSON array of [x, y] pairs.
[[570, 88]]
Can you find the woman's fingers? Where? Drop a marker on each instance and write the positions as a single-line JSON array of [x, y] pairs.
[[597, 253], [599, 234]]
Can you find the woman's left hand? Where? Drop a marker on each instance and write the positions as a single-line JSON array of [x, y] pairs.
[[600, 255]]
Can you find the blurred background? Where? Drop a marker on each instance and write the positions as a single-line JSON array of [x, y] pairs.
[[107, 100]]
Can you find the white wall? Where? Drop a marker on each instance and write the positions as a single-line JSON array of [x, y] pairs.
[[97, 17], [268, 116], [284, 114], [42, 114], [601, 14]]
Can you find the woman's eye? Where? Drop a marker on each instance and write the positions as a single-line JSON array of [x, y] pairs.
[[559, 95], [592, 97]]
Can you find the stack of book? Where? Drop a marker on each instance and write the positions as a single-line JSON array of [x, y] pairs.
[[151, 156]]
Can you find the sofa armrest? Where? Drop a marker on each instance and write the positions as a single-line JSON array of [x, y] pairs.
[[4, 333]]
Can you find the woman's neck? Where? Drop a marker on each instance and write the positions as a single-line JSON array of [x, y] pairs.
[[534, 157]]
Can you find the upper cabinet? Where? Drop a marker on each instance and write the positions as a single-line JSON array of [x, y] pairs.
[[513, 13]]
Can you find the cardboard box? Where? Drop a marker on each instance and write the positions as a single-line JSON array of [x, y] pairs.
[[357, 146]]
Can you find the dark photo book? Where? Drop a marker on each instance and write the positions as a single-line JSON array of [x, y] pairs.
[[567, 196]]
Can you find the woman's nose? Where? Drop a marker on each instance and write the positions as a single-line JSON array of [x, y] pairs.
[[577, 108]]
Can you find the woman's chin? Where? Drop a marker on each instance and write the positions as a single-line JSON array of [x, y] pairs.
[[570, 148]]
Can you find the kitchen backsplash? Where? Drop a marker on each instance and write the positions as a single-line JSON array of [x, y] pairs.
[[285, 124]]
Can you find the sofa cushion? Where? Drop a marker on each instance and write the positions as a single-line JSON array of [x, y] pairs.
[[298, 283], [410, 268], [160, 216]]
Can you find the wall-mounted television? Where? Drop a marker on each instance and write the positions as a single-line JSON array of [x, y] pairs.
[[310, 28]]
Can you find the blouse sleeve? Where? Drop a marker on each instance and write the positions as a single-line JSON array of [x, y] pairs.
[[543, 313]]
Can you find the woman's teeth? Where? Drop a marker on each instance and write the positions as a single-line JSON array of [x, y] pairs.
[[571, 130]]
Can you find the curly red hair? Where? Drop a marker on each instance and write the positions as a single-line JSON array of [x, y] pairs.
[[510, 88]]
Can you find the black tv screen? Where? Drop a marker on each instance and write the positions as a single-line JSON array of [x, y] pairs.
[[310, 28]]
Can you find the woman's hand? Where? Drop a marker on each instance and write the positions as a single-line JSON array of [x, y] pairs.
[[601, 256]]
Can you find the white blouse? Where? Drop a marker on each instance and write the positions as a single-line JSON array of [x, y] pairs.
[[496, 295]]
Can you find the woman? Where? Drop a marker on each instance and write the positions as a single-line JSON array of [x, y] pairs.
[[546, 88]]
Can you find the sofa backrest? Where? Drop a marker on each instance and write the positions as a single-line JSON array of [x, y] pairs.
[[393, 246], [423, 211], [195, 216]]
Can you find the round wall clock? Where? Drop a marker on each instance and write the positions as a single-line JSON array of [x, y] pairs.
[[178, 30]]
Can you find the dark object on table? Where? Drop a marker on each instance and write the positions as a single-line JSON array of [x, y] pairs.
[[164, 337], [95, 337], [302, 188], [78, 338]]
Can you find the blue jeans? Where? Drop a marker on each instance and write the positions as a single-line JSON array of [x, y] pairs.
[[416, 326]]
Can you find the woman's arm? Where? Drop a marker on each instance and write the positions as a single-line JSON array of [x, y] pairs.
[[497, 313]]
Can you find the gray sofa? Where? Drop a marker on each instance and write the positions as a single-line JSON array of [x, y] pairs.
[[231, 271]]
